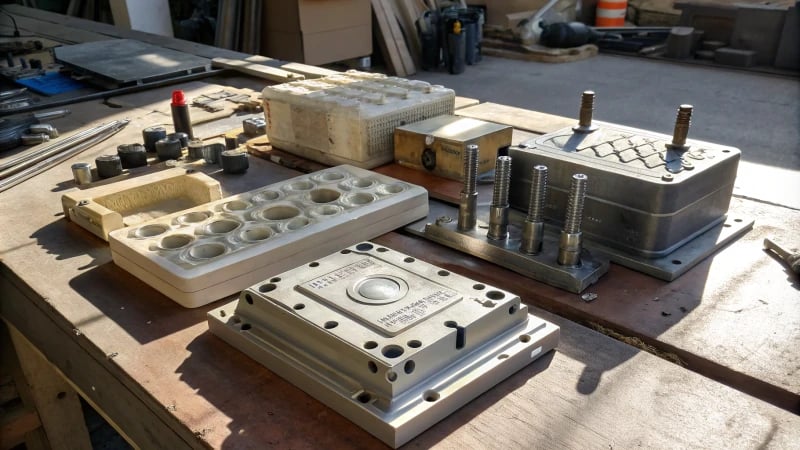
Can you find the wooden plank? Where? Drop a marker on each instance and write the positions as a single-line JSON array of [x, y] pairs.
[[391, 48], [519, 118], [407, 12], [303, 69], [257, 70], [538, 53], [463, 102], [15, 424], [56, 402]]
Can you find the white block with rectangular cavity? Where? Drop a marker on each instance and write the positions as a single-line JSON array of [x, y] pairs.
[[214, 250], [391, 342], [349, 118], [103, 209]]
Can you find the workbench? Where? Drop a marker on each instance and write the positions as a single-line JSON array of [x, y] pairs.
[[709, 360]]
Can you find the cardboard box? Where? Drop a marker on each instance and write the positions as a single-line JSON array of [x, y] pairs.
[[316, 31], [497, 10]]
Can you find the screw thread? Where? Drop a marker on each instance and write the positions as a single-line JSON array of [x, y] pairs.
[[502, 179], [577, 193], [682, 123], [470, 169], [587, 109], [538, 190]]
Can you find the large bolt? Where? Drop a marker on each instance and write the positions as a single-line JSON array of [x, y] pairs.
[[533, 228], [585, 117], [682, 123], [468, 201], [498, 211], [570, 245]]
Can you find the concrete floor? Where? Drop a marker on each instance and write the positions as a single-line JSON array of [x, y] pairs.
[[758, 113]]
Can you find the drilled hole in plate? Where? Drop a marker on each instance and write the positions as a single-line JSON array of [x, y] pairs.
[[302, 185], [280, 212], [372, 367], [264, 288], [206, 251], [524, 338], [502, 356], [369, 345], [194, 217], [512, 309], [236, 319], [345, 251], [392, 351], [726, 151], [727, 225], [364, 397], [298, 306], [451, 324], [409, 260], [414, 343], [677, 262], [313, 264], [246, 326], [222, 226], [175, 241], [324, 195], [737, 220], [382, 249], [363, 247], [275, 279], [331, 324], [478, 287], [391, 376], [254, 234], [151, 230], [298, 223], [495, 295], [443, 273], [430, 396], [248, 298], [235, 205], [409, 366]]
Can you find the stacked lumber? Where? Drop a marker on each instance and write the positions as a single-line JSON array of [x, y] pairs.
[[504, 43]]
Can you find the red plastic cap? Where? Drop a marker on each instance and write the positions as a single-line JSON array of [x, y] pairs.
[[178, 99]]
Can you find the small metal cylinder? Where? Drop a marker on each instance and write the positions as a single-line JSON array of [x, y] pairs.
[[151, 135], [108, 166], [468, 201], [212, 153], [498, 211], [168, 148], [587, 109], [132, 155], [195, 149], [682, 123], [533, 227], [82, 173], [181, 136], [234, 161], [570, 242]]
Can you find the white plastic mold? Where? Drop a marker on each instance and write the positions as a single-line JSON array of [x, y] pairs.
[[103, 209], [349, 118], [205, 253]]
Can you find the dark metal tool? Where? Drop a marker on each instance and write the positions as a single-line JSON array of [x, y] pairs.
[[792, 259]]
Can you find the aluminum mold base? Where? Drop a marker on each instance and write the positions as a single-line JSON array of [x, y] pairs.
[[390, 342]]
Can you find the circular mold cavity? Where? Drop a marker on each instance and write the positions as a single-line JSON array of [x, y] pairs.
[[207, 251], [392, 351], [281, 212], [430, 396], [194, 217], [524, 338], [324, 195], [364, 246], [299, 186], [369, 345], [358, 199], [149, 231], [298, 223], [328, 177], [361, 183], [222, 226], [390, 189], [266, 196], [256, 233], [325, 211], [175, 241], [236, 205]]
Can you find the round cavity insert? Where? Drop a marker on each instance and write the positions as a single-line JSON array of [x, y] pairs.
[[193, 217], [299, 186], [149, 231], [298, 223], [206, 251], [328, 177], [280, 212], [266, 196], [235, 205], [360, 183], [324, 195], [175, 241], [325, 211], [390, 189], [378, 289], [358, 199], [256, 233], [221, 226]]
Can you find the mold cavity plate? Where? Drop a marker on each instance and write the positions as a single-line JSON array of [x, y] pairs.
[[214, 250], [103, 209], [391, 342]]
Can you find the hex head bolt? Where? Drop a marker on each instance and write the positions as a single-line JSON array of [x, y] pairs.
[[468, 200], [570, 245], [533, 227], [585, 118], [682, 123], [498, 211]]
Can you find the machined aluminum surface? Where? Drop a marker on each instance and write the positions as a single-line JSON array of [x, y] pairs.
[[391, 342]]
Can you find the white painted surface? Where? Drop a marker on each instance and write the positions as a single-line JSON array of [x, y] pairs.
[[151, 16]]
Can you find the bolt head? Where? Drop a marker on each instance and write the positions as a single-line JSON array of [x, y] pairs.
[[667, 177]]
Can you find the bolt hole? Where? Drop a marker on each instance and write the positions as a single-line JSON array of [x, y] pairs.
[[298, 306], [61, 395], [737, 220], [222, 313], [488, 304], [502, 356], [524, 338], [430, 396], [331, 324], [246, 326], [443, 273], [726, 151], [383, 249], [314, 264], [512, 309], [369, 345], [409, 366], [372, 367], [237, 320], [409, 260], [364, 247], [345, 251], [414, 343], [451, 324], [391, 376], [677, 262], [249, 299], [392, 351], [727, 225], [364, 397], [478, 287], [266, 288], [275, 280], [495, 295]]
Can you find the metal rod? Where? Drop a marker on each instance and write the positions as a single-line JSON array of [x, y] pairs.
[[498, 211], [468, 200]]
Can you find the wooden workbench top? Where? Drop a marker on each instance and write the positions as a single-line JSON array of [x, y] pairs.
[[156, 372]]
